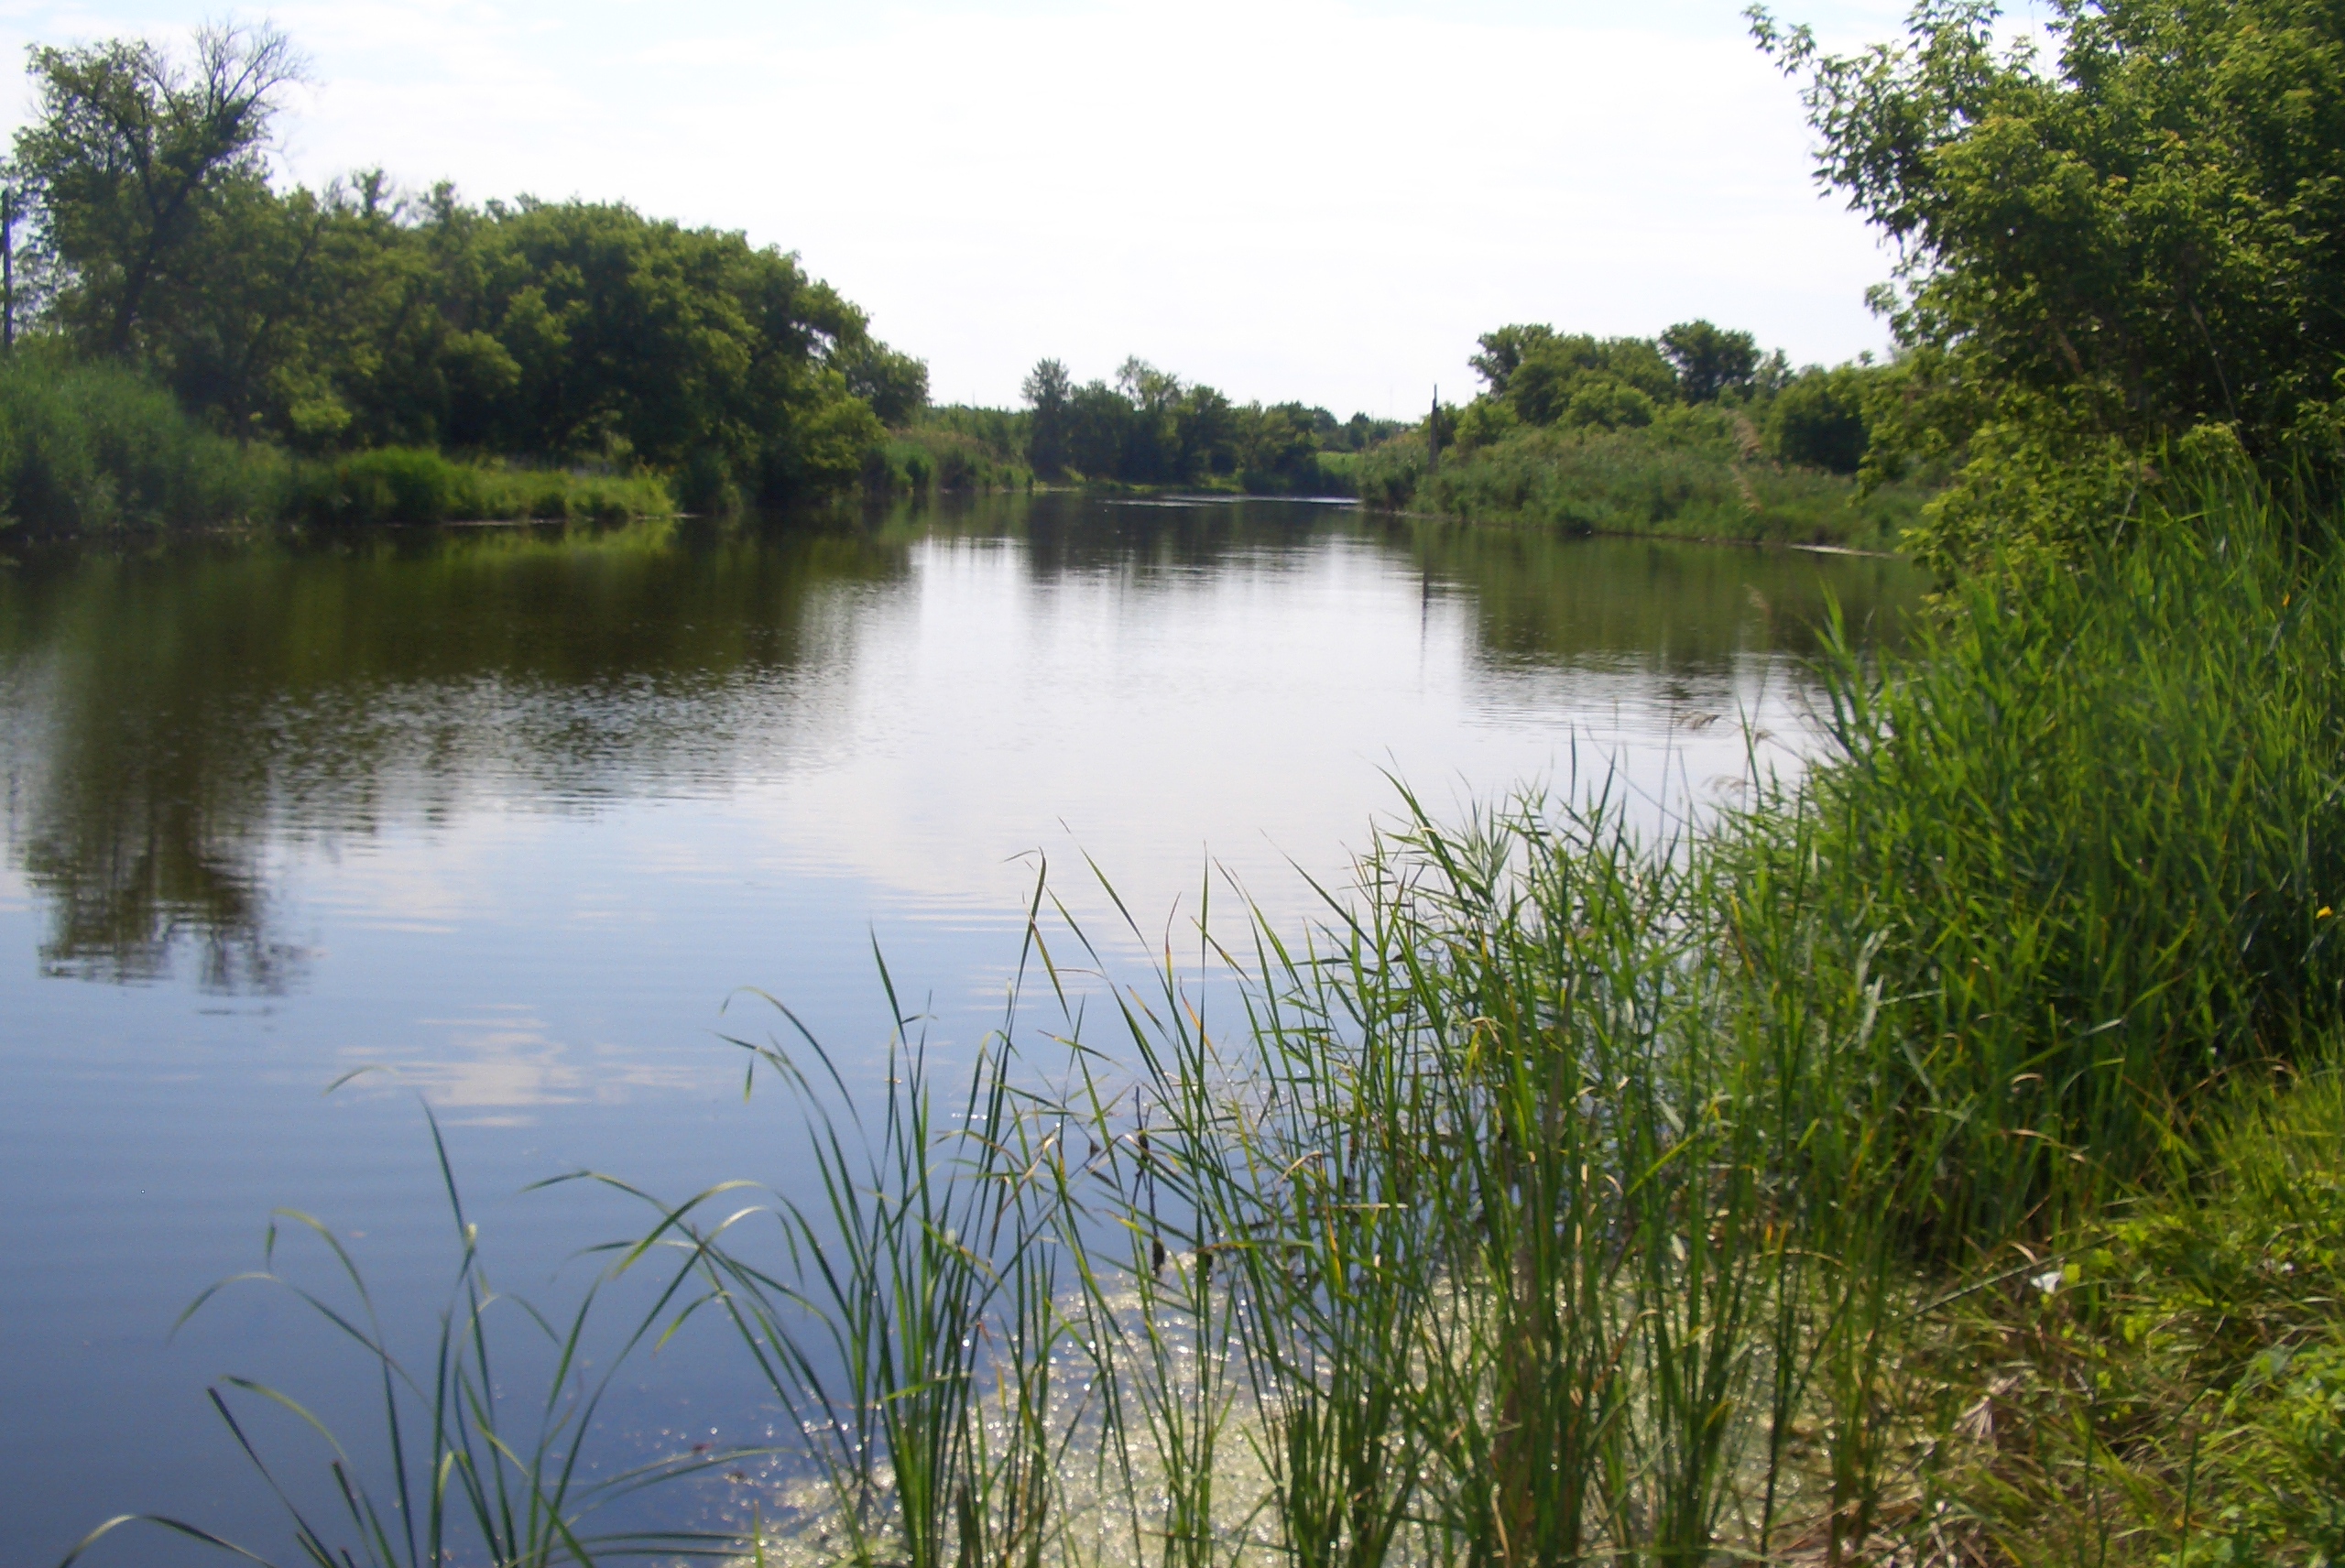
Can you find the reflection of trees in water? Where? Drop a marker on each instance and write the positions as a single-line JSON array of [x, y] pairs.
[[1537, 595], [174, 713], [165, 719], [127, 887], [1676, 608], [1071, 536]]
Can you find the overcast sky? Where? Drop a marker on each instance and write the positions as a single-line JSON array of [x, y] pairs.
[[1315, 198]]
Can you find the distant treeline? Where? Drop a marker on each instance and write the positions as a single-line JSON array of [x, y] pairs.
[[322, 322], [1146, 427]]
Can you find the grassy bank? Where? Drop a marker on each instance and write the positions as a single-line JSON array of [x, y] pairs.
[[1690, 474], [95, 448], [1935, 1159], [927, 458], [403, 485]]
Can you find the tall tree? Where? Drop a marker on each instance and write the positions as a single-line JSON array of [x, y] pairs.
[[132, 155], [2137, 240], [1709, 360], [1049, 391], [1504, 350]]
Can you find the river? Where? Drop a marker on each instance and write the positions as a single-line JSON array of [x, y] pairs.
[[505, 819]]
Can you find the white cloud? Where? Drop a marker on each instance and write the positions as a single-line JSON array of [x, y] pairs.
[[1287, 197]]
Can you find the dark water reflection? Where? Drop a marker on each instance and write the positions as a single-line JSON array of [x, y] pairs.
[[511, 813]]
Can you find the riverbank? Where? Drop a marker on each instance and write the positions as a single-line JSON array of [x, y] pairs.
[[1696, 477], [89, 450]]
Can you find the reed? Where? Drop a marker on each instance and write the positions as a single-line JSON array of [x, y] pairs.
[[475, 1473], [412, 485]]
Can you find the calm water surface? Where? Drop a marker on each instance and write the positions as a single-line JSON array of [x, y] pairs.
[[510, 814]]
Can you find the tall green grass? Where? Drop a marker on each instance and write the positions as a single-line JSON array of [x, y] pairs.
[[1563, 1194], [408, 485], [928, 457], [1686, 479], [95, 448]]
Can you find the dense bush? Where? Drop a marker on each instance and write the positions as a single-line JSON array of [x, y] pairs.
[[358, 316], [2120, 236], [929, 457]]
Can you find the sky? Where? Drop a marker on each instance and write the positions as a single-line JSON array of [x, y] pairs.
[[1323, 199]]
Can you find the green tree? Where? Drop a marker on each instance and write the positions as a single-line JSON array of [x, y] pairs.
[[895, 385], [1542, 385], [2132, 243], [1048, 391], [352, 317], [1504, 350], [1817, 421], [1709, 360], [132, 158]]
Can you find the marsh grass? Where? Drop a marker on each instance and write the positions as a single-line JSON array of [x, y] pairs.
[[96, 449], [1689, 478], [1562, 1195], [411, 484]]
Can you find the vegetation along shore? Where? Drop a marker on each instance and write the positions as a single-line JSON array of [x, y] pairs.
[[190, 342], [1935, 1157]]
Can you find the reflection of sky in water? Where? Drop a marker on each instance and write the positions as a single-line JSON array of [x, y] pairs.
[[532, 896]]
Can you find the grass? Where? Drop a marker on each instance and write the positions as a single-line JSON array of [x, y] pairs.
[[1686, 477], [94, 448], [1939, 1158], [408, 484], [926, 458]]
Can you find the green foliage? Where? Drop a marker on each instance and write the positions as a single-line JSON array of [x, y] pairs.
[[926, 458], [1152, 428], [406, 485], [352, 317], [1818, 421], [2092, 819], [90, 448], [2105, 252], [1579, 380], [135, 163], [1687, 474], [1710, 363], [1387, 475], [2166, 1390], [1630, 435]]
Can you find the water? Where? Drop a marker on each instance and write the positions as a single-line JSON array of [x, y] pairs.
[[508, 818]]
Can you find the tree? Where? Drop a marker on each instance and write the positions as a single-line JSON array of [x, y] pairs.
[[132, 155], [1818, 421], [2138, 243], [1048, 389], [1709, 361], [895, 385], [1553, 369], [1504, 352]]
